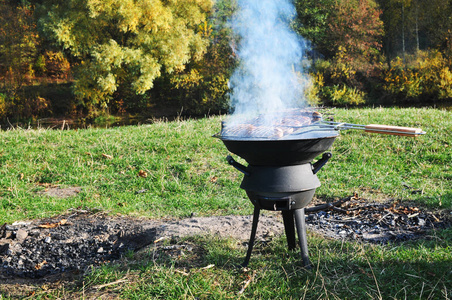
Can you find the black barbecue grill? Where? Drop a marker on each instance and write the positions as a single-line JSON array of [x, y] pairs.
[[281, 175]]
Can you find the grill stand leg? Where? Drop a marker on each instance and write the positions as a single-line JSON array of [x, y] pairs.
[[302, 238], [252, 237], [289, 228]]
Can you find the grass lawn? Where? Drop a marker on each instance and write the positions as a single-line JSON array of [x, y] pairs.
[[176, 169]]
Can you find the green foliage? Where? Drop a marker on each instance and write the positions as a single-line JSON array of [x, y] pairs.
[[3, 105], [203, 86], [21, 108], [136, 56], [312, 22], [124, 43], [40, 65], [416, 25], [352, 41], [336, 82]]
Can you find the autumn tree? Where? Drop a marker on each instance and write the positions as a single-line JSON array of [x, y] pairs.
[[355, 27], [124, 44], [18, 46]]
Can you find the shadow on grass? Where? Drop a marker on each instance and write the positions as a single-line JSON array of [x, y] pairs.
[[417, 269]]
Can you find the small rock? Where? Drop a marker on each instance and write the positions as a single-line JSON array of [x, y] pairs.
[[10, 227], [100, 250], [58, 236], [21, 235], [21, 223], [48, 239], [34, 233]]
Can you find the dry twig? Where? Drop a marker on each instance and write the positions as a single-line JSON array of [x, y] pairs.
[[247, 283], [98, 287], [328, 206]]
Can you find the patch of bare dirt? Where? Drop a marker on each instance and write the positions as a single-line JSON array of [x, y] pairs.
[[59, 192]]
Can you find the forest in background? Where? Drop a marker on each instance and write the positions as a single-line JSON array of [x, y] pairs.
[[87, 58]]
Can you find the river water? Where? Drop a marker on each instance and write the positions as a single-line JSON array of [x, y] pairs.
[[67, 124]]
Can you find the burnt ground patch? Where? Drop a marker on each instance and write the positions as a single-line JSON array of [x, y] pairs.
[[70, 244]]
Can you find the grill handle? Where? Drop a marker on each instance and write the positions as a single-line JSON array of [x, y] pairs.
[[394, 130], [321, 162], [237, 165]]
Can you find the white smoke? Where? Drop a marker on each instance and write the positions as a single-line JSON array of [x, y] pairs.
[[271, 56]]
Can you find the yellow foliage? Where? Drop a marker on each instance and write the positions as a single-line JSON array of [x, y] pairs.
[[313, 88], [345, 95], [3, 106], [427, 74], [128, 42], [205, 29]]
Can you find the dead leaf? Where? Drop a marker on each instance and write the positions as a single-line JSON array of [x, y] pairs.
[[107, 156], [21, 176], [40, 265], [53, 225], [143, 174], [214, 179]]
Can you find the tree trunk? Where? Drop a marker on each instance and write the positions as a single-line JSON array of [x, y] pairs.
[[417, 28], [403, 33]]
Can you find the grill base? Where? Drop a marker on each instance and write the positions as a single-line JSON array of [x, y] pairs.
[[292, 219], [288, 189], [281, 201]]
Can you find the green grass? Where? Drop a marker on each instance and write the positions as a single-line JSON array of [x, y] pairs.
[[185, 167], [342, 270], [187, 171], [187, 174], [382, 166]]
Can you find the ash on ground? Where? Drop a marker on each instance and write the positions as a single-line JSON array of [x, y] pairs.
[[377, 222], [77, 241]]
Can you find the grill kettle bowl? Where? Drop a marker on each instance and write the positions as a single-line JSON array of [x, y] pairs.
[[279, 152]]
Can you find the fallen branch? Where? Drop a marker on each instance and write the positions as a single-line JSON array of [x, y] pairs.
[[328, 206]]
